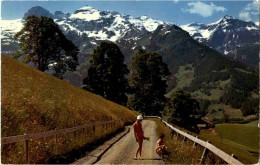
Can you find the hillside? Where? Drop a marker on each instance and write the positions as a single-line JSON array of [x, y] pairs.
[[33, 101], [239, 139], [248, 54]]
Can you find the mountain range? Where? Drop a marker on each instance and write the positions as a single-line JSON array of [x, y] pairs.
[[225, 34], [86, 27]]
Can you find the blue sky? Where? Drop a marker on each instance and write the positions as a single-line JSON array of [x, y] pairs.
[[176, 11]]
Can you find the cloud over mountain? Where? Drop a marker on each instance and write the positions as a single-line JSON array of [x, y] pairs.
[[250, 11], [203, 9]]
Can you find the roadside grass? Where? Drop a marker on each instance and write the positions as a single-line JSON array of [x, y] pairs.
[[33, 101], [239, 139], [180, 154]]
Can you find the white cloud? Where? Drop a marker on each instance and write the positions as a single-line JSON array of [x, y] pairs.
[[176, 1], [203, 9], [245, 16], [249, 11]]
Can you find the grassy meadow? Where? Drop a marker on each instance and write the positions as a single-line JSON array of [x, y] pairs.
[[239, 139], [33, 101]]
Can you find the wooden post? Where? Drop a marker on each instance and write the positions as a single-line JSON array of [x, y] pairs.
[[56, 143], [85, 134], [194, 144], [94, 130], [27, 151], [75, 135], [172, 134], [177, 136], [184, 139], [204, 155]]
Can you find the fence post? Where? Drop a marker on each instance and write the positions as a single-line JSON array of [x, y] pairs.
[[177, 136], [75, 135], [204, 155], [85, 133], [194, 144], [27, 151], [94, 130], [184, 139], [172, 133], [56, 145]]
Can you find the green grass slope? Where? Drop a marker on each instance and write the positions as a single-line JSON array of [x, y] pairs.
[[33, 101], [239, 139]]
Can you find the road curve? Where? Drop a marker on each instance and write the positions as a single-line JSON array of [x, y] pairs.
[[123, 152]]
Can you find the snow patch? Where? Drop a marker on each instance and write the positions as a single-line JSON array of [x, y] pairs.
[[167, 32], [87, 14], [11, 25], [148, 23], [251, 28]]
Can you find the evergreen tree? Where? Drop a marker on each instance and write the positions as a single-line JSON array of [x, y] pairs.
[[183, 110], [43, 44], [250, 106], [107, 75], [148, 82]]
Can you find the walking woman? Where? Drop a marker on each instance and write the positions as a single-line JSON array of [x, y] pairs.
[[139, 135]]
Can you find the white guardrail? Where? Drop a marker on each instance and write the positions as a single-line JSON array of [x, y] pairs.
[[207, 146]]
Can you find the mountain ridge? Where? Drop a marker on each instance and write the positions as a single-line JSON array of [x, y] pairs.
[[225, 34], [112, 26]]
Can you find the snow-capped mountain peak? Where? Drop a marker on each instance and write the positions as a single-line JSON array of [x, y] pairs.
[[90, 23], [226, 17], [224, 34]]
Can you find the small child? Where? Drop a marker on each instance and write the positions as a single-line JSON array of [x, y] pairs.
[[161, 149]]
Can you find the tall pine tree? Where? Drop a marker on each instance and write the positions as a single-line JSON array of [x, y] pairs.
[[148, 82], [107, 75], [43, 44]]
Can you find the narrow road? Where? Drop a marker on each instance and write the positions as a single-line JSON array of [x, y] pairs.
[[123, 152]]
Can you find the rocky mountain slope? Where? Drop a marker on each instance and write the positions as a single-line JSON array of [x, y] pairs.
[[224, 35]]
